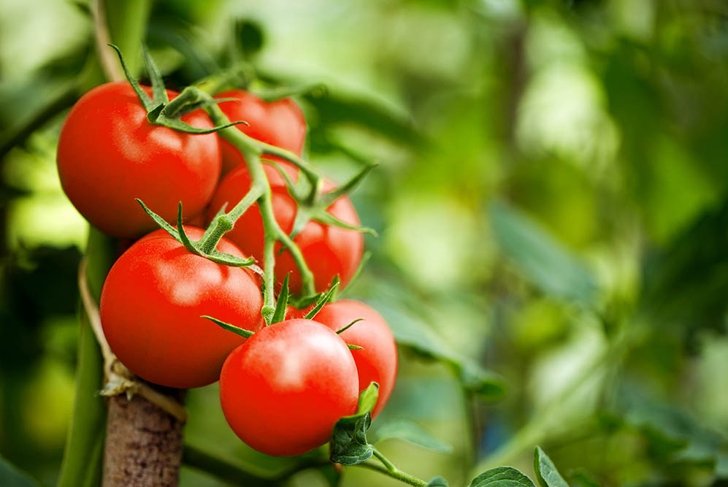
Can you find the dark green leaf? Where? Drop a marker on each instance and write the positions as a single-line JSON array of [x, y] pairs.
[[12, 477], [540, 257], [685, 284], [414, 335], [546, 472], [411, 433], [349, 444], [501, 477]]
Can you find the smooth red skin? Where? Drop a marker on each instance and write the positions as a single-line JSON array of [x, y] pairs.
[[109, 154], [284, 389], [280, 123], [377, 361], [151, 305], [329, 251]]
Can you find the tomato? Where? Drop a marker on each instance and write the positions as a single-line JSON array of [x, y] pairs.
[[109, 154], [151, 305], [284, 389], [280, 123], [377, 360], [329, 251]]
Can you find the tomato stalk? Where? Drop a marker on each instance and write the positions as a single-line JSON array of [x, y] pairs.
[[251, 150], [391, 470]]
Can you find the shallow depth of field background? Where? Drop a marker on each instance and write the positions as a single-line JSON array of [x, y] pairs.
[[553, 176]]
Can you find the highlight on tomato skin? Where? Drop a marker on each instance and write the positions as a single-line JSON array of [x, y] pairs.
[[280, 123], [376, 361], [109, 154], [284, 389], [329, 251], [151, 307]]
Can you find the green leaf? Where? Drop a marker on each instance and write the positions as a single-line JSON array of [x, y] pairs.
[[543, 260], [12, 477], [546, 472], [501, 477], [412, 433], [685, 284], [349, 444], [414, 335], [437, 482]]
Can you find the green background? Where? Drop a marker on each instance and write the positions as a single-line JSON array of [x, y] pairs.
[[551, 202]]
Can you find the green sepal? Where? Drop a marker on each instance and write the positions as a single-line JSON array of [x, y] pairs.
[[141, 94], [160, 221], [501, 477], [159, 93], [229, 327], [280, 312], [230, 260], [344, 328], [323, 216], [346, 188], [349, 445], [351, 346], [181, 236], [324, 299]]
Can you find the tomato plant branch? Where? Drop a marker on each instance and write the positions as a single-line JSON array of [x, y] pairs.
[[251, 150], [388, 468]]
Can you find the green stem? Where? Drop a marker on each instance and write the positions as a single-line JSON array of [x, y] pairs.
[[241, 474], [82, 457], [389, 469], [251, 150]]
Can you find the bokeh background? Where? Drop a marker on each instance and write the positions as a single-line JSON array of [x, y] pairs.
[[551, 201]]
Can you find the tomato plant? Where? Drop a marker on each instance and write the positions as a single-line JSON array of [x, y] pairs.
[[109, 154], [151, 307], [376, 361], [280, 123], [284, 389], [328, 250]]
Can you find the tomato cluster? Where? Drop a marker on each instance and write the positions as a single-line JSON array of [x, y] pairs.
[[282, 389]]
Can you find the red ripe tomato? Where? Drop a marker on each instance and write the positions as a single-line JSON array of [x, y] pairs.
[[329, 251], [280, 123], [284, 389], [109, 154], [151, 305], [377, 361]]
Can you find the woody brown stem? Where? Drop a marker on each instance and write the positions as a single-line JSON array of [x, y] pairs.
[[143, 444]]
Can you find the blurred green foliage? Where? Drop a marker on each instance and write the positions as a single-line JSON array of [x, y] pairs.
[[552, 203]]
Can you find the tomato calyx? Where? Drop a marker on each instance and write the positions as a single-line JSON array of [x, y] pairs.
[[349, 444], [204, 247], [162, 111]]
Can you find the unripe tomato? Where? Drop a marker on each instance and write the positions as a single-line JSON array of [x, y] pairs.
[[329, 251], [284, 389], [152, 303], [109, 154], [377, 360], [280, 123]]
